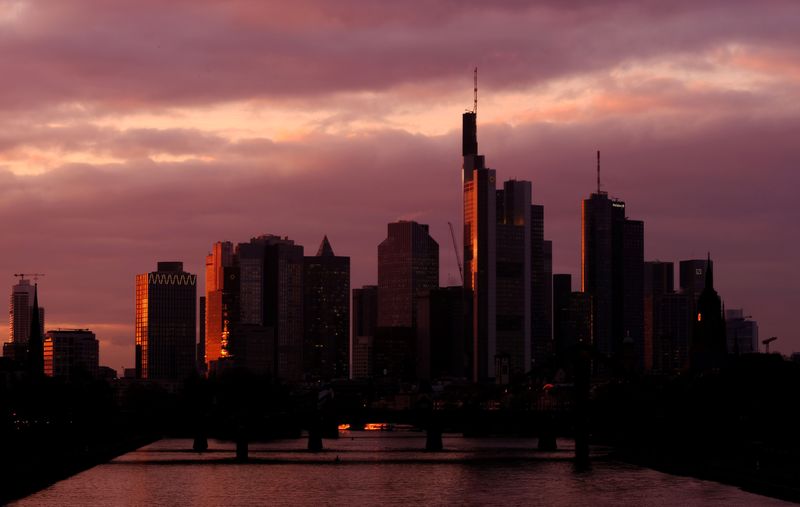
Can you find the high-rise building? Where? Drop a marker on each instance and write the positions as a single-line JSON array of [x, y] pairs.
[[562, 288], [71, 352], [408, 268], [365, 322], [480, 230], [271, 301], [19, 320], [513, 275], [219, 310], [741, 332], [166, 314], [201, 337], [693, 276], [709, 344], [326, 311], [612, 257], [667, 320], [441, 348]]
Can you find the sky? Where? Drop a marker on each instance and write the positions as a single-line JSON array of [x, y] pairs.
[[139, 131]]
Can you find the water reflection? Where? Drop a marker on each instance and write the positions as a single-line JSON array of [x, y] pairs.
[[382, 468]]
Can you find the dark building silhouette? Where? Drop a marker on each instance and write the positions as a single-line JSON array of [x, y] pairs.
[[365, 322], [562, 288], [709, 344], [577, 324], [201, 336], [408, 268], [741, 332], [19, 314], [71, 352], [271, 303], [480, 228], [166, 314], [35, 349], [693, 276], [442, 350], [667, 320], [326, 310], [612, 258], [514, 259]]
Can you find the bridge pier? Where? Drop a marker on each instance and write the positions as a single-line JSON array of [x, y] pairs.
[[241, 448], [200, 443], [314, 441], [547, 434], [433, 438]]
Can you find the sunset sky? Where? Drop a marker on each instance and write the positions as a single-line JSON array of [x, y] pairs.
[[132, 132]]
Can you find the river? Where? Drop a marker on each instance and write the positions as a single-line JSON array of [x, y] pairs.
[[379, 468]]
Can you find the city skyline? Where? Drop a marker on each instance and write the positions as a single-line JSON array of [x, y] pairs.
[[704, 155]]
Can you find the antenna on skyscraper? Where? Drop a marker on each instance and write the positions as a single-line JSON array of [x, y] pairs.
[[475, 106], [598, 171]]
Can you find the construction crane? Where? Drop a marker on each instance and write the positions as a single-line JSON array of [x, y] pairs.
[[768, 341], [35, 276], [455, 248]]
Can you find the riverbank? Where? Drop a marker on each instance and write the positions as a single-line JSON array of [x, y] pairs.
[[752, 474], [27, 472]]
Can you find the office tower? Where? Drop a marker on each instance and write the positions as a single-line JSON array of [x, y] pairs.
[[326, 311], [667, 320], [577, 325], [441, 348], [480, 227], [542, 311], [219, 311], [71, 353], [693, 276], [612, 253], [562, 288], [201, 337], [659, 280], [19, 320], [365, 322], [271, 303], [166, 314], [408, 268], [709, 344], [513, 280], [741, 332]]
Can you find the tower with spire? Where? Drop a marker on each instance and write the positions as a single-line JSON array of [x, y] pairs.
[[35, 353], [326, 314], [709, 345]]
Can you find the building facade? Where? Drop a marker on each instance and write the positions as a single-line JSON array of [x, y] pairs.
[[71, 352], [166, 313], [326, 310]]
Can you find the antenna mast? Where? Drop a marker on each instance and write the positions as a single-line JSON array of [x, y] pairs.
[[598, 171], [475, 106]]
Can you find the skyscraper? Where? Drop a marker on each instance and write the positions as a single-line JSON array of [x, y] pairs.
[[408, 268], [218, 304], [365, 322], [562, 288], [165, 323], [741, 332], [667, 320], [480, 231], [709, 344], [513, 275], [326, 312], [612, 257], [19, 320], [271, 299]]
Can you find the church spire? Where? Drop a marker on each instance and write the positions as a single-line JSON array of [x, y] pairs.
[[35, 341], [325, 249]]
